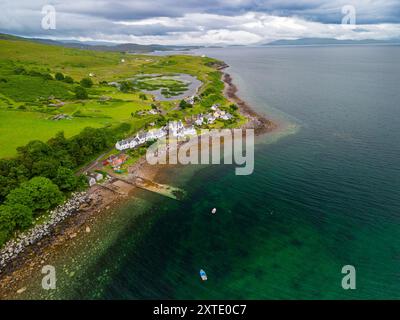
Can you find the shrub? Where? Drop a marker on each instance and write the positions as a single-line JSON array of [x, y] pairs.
[[233, 107], [81, 93], [59, 76], [68, 79], [20, 70], [183, 104], [125, 86], [47, 76], [86, 83]]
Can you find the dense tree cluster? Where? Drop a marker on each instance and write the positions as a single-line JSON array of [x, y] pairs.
[[37, 179]]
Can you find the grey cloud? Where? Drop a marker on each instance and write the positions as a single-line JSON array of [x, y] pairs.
[[241, 21]]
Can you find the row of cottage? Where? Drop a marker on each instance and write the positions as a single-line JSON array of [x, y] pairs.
[[175, 128]]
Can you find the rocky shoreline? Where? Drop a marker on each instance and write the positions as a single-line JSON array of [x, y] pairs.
[[256, 121], [14, 247]]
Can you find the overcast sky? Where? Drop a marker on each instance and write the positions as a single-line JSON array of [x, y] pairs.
[[201, 22]]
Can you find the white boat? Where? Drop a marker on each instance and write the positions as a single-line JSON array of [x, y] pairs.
[[214, 211], [203, 275]]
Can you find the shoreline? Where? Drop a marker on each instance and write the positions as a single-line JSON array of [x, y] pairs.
[[99, 200], [259, 123]]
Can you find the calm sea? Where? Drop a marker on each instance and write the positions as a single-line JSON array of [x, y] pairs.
[[325, 193]]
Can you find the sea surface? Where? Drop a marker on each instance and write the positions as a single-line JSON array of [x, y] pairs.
[[325, 193]]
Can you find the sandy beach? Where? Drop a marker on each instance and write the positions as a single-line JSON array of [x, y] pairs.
[[103, 198]]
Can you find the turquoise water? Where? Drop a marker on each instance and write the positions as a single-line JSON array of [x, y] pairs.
[[324, 196]]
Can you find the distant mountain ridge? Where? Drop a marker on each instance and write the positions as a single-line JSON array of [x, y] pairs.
[[328, 41], [101, 45]]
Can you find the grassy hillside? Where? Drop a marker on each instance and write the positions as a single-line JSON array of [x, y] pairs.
[[30, 95]]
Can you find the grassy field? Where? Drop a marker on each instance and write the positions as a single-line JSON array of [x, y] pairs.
[[30, 100], [18, 128]]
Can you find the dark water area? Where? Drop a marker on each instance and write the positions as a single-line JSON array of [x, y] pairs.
[[322, 197]]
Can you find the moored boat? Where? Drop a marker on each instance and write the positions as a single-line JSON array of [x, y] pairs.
[[203, 275]]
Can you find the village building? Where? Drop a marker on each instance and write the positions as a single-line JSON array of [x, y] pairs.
[[190, 131], [191, 100], [152, 111], [93, 178], [123, 144], [199, 120], [226, 116], [141, 137], [209, 118], [175, 128], [214, 107], [91, 181]]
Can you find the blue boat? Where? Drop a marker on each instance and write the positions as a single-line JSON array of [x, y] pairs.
[[203, 275]]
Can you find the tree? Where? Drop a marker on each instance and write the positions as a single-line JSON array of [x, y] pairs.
[[45, 168], [183, 105], [39, 193], [59, 76], [47, 76], [18, 216], [233, 107], [80, 93], [65, 179], [33, 152], [125, 86], [7, 224], [86, 83], [13, 217], [68, 79], [143, 96]]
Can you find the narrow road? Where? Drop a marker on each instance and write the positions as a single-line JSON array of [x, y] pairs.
[[94, 163]]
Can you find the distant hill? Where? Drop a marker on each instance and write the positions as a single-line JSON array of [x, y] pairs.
[[102, 46], [328, 41]]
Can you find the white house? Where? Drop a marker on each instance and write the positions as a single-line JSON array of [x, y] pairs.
[[91, 181], [210, 118], [133, 143], [214, 107], [199, 119], [190, 131], [226, 116], [141, 137], [93, 178], [159, 133], [191, 100], [152, 111], [122, 145], [175, 128]]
